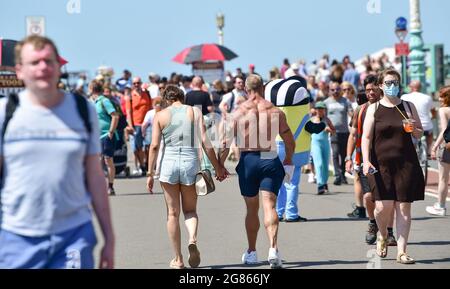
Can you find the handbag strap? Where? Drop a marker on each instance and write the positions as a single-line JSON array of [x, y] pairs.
[[199, 149]]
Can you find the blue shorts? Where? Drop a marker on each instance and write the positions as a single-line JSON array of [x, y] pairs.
[[258, 174], [72, 249], [148, 136], [108, 146], [137, 140]]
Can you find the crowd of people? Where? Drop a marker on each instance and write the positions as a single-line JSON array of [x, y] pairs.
[[178, 126]]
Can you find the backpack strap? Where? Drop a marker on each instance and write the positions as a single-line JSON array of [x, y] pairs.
[[233, 97], [102, 103], [83, 111], [11, 106]]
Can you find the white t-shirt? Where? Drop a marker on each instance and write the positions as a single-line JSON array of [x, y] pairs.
[[44, 150], [227, 98], [148, 119], [423, 104], [153, 89]]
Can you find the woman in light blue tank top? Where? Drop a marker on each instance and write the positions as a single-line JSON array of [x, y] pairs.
[[183, 133]]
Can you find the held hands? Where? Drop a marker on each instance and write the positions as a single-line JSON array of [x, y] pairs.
[[221, 173]]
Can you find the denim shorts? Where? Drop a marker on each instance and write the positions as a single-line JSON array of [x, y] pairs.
[[179, 165], [72, 249], [137, 140], [148, 136]]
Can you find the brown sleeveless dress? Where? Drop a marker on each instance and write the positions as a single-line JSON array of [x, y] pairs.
[[400, 177]]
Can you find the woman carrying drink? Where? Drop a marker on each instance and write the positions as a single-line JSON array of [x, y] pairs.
[[391, 162]]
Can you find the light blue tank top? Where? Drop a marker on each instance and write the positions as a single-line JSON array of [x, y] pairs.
[[180, 131]]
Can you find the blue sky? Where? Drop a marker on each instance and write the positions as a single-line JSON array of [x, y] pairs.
[[145, 35]]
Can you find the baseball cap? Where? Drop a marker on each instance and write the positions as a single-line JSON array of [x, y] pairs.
[[320, 104], [295, 66]]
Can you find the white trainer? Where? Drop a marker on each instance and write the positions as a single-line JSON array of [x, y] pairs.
[[311, 178], [250, 258], [274, 259], [436, 210]]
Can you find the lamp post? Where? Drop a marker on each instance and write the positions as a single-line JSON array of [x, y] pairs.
[[417, 55], [220, 21], [402, 49]]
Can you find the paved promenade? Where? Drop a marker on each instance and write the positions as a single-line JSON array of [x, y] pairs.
[[328, 240]]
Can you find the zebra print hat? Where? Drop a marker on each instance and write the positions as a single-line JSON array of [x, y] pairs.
[[287, 92]]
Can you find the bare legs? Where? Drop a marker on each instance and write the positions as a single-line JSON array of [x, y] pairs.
[[403, 220], [359, 195], [384, 215], [111, 170], [252, 221], [270, 219], [172, 194], [370, 206], [444, 170]]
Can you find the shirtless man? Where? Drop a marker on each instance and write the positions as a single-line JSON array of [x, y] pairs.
[[255, 125]]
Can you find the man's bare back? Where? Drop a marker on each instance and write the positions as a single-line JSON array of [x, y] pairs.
[[257, 123]]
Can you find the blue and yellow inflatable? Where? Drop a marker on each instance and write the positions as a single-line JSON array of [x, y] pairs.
[[292, 97]]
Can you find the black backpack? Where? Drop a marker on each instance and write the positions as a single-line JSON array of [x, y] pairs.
[[122, 124]]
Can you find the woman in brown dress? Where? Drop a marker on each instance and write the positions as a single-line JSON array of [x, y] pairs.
[[388, 149]]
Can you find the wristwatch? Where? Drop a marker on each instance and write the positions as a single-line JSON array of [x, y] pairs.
[[348, 159], [150, 174]]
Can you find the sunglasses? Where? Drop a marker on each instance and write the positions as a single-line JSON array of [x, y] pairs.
[[335, 90], [392, 82]]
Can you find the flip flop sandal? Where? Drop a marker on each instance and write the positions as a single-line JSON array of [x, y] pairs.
[[194, 256], [173, 265], [382, 248], [405, 259]]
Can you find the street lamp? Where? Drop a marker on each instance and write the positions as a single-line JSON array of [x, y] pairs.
[[417, 55], [220, 21]]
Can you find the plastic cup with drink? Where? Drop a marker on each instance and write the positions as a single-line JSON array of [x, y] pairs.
[[408, 125]]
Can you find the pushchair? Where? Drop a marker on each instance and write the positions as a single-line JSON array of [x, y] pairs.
[[120, 159]]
